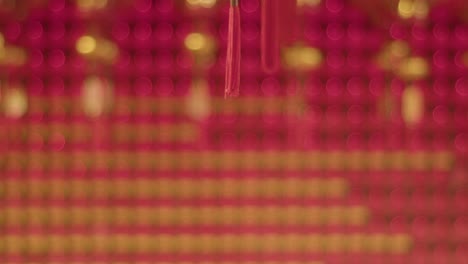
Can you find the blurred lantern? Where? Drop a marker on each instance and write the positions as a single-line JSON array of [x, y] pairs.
[[412, 100], [396, 58], [400, 243], [97, 96], [412, 103], [198, 105], [302, 58], [201, 3], [308, 2], [91, 5], [97, 48], [417, 9], [413, 68], [15, 102], [386, 12], [14, 99], [392, 55], [202, 46], [11, 55]]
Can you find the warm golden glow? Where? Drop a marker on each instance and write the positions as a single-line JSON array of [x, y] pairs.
[[96, 96], [258, 160], [86, 45], [201, 3], [301, 57], [194, 189], [309, 57], [400, 243], [97, 48], [413, 68], [188, 216], [412, 105], [210, 243], [393, 54], [196, 41], [106, 50], [406, 8], [308, 2], [15, 102], [358, 215], [171, 105], [399, 48], [11, 55], [87, 5], [202, 46], [418, 9], [198, 105], [2, 41]]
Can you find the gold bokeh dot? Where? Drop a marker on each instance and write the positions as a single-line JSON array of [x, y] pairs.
[[399, 48], [2, 41], [405, 8], [310, 57], [15, 103], [202, 3], [86, 5], [412, 105], [413, 68], [308, 2], [86, 45], [195, 41], [198, 104], [96, 96], [301, 57], [418, 9]]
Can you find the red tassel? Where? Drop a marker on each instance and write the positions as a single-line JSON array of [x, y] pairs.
[[233, 56], [270, 35], [287, 25]]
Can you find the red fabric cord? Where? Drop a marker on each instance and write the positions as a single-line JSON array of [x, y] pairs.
[[288, 21], [233, 56], [270, 35]]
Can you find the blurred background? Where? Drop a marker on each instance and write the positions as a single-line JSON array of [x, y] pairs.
[[118, 146]]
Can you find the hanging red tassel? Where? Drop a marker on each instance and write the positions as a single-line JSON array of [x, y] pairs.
[[270, 35], [233, 56], [288, 21]]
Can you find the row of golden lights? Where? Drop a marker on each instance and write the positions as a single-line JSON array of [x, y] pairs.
[[97, 92], [376, 243], [117, 132], [171, 216], [407, 9], [170, 188], [245, 160]]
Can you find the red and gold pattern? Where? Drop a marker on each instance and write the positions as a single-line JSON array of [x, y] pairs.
[[117, 145]]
